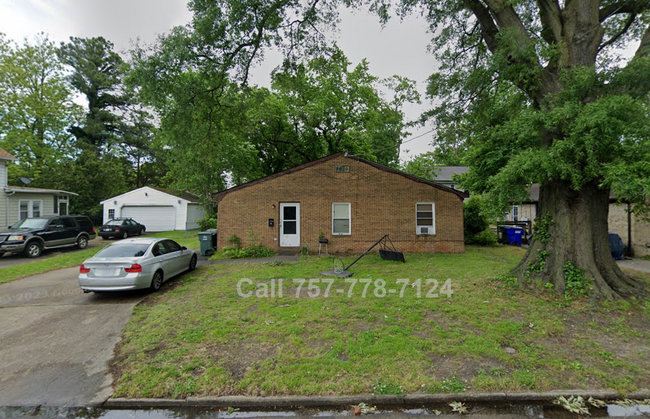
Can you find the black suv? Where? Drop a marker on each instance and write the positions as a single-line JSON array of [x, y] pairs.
[[32, 235]]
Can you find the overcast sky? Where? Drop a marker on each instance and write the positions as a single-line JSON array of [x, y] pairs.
[[399, 48]]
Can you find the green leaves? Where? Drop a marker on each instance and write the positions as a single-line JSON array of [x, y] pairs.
[[36, 107]]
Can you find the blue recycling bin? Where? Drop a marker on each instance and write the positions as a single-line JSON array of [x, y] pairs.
[[514, 235]]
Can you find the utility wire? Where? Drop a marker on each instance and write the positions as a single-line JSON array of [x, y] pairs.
[[396, 145]]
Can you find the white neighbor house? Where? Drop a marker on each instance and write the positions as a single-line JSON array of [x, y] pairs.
[[157, 208], [20, 202]]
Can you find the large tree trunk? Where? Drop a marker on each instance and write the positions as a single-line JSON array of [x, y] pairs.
[[574, 233]]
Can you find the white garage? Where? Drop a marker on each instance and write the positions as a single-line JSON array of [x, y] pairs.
[[157, 208]]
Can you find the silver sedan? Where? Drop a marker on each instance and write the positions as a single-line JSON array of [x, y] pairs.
[[135, 264]]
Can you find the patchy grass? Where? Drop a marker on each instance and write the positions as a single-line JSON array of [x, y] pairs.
[[199, 337], [72, 258]]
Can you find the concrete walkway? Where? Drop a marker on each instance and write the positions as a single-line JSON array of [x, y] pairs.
[[635, 264]]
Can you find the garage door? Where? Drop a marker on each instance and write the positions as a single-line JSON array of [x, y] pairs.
[[154, 218]]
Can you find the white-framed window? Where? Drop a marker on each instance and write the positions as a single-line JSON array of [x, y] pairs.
[[29, 209], [425, 218], [341, 218], [515, 213], [111, 214]]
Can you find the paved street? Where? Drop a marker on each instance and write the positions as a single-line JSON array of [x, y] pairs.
[[55, 341]]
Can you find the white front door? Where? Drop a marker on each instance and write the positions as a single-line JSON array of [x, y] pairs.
[[290, 225]]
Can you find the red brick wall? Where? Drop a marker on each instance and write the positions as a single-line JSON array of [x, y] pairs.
[[381, 203]]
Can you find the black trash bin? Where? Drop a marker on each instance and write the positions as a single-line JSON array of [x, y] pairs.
[[616, 246], [208, 241]]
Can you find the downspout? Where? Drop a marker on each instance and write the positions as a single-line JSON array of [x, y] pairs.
[[9, 192]]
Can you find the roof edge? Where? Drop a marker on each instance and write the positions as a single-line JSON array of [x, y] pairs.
[[19, 189], [219, 195], [141, 188]]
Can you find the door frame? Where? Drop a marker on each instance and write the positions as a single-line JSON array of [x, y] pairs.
[[281, 220]]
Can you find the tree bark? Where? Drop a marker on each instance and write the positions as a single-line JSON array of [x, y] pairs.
[[577, 234]]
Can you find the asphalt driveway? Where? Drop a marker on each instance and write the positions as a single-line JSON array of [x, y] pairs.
[[18, 259], [55, 341]]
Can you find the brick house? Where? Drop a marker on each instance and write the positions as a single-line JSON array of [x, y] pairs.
[[352, 201]]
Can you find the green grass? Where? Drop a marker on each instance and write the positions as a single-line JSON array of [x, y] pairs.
[[72, 258], [199, 337]]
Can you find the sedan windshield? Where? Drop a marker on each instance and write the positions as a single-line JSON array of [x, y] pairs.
[[129, 250], [30, 223]]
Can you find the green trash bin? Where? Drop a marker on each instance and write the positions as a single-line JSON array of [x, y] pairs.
[[208, 241]]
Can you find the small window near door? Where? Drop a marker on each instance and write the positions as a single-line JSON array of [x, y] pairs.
[[425, 217], [111, 214], [341, 218]]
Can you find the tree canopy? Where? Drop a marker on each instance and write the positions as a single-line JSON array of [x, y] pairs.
[[531, 90]]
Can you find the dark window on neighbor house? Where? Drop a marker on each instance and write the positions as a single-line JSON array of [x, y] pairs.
[[425, 218], [515, 213], [111, 214], [341, 218]]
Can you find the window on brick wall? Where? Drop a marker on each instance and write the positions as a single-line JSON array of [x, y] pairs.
[[425, 218], [341, 219]]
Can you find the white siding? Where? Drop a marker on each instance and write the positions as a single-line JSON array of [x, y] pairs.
[[47, 204], [4, 216], [194, 213]]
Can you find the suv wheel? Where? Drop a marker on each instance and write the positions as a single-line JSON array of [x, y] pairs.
[[33, 249], [82, 242]]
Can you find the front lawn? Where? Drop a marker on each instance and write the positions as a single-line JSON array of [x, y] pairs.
[[198, 337], [68, 259]]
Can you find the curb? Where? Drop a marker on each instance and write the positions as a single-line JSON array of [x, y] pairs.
[[270, 403]]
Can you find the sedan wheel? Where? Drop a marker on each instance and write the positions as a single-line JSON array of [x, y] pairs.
[[82, 242], [157, 281], [125, 235], [192, 263], [33, 250], [141, 232]]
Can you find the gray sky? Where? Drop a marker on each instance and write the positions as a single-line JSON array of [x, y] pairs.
[[399, 48]]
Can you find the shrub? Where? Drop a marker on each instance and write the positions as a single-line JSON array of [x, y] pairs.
[[476, 225], [207, 222], [235, 242], [254, 250], [484, 238]]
